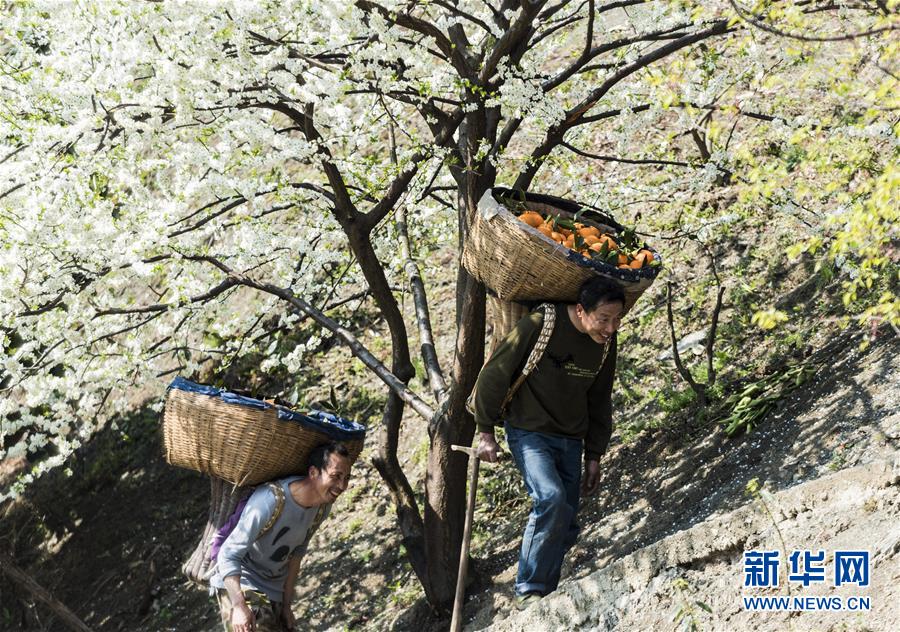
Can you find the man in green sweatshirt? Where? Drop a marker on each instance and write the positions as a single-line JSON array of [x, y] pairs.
[[561, 410]]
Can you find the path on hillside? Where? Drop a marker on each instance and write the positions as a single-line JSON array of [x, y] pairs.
[[848, 510], [847, 415]]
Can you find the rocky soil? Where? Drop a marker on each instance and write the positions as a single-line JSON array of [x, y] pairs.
[[828, 465], [693, 579]]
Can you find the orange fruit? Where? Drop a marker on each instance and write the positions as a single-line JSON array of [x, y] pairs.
[[565, 231], [590, 239], [609, 240], [531, 218], [623, 265], [546, 230], [597, 246], [623, 260], [636, 264], [648, 256], [558, 237], [589, 231]]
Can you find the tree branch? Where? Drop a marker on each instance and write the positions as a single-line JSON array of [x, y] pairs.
[[676, 355], [23, 579], [631, 161], [455, 56], [225, 285], [556, 134], [357, 348], [751, 18], [420, 301]]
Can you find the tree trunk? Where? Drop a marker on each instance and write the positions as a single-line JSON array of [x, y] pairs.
[[23, 579], [408, 516], [445, 487]]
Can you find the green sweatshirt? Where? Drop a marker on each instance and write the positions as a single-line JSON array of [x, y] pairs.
[[569, 393]]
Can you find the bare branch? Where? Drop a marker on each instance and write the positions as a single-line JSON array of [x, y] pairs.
[[12, 189], [224, 286], [676, 355], [420, 300], [113, 334], [556, 134], [357, 348], [755, 20], [630, 161]]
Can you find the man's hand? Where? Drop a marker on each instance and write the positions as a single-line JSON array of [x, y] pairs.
[[591, 478], [287, 616], [488, 449], [242, 619]]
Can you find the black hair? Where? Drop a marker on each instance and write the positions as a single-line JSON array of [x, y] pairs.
[[598, 290], [320, 455]]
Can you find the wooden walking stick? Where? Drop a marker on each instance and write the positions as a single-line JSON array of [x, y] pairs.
[[456, 621]]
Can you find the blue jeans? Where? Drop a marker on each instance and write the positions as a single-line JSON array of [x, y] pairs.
[[551, 467]]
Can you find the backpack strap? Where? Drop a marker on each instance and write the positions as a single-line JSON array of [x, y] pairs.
[[279, 507], [537, 352], [314, 525]]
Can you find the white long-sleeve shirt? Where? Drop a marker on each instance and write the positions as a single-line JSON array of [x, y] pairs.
[[262, 562]]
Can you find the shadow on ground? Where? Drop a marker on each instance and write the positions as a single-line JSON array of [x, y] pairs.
[[664, 483]]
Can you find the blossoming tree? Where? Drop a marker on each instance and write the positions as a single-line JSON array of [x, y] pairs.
[[174, 174]]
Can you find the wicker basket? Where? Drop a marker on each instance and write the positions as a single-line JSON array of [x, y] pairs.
[[518, 263], [503, 316], [243, 440]]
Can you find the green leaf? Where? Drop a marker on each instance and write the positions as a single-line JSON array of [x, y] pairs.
[[578, 242]]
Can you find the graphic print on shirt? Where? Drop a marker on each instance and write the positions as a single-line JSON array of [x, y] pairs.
[[280, 554], [558, 362], [567, 365], [283, 531]]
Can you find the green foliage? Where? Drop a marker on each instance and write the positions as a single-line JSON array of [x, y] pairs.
[[688, 611], [672, 400], [747, 407], [420, 455], [767, 319], [756, 491]]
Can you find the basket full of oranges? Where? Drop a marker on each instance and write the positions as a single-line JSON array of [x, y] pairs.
[[527, 247]]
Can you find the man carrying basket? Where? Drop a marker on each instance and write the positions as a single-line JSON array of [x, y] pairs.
[[562, 409], [259, 561]]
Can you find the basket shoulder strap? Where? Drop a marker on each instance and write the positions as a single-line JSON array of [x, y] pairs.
[[543, 338], [279, 507], [537, 352], [314, 526]]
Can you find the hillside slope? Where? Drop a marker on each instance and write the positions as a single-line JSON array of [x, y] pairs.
[[829, 459], [646, 590], [108, 540]]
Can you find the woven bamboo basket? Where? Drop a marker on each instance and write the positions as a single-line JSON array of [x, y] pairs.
[[242, 440], [518, 263], [503, 316]]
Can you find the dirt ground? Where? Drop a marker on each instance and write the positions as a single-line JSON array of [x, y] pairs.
[[846, 416], [108, 539]]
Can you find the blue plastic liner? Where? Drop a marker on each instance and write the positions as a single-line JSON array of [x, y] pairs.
[[338, 428]]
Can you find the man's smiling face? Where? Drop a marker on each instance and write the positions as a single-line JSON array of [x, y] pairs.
[[601, 322], [331, 481]]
